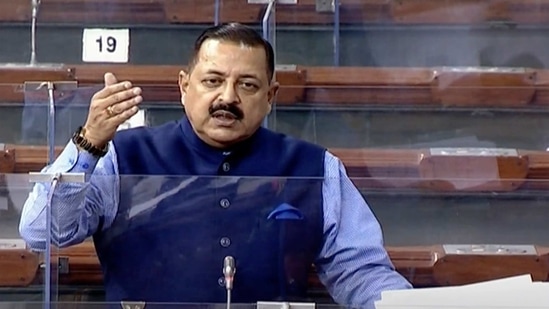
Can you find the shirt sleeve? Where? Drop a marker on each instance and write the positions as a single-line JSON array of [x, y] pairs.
[[78, 209], [353, 263]]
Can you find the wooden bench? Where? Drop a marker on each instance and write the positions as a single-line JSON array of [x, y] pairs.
[[408, 170], [332, 86], [7, 160], [399, 12], [423, 266]]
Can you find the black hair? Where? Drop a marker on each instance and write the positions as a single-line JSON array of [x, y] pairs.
[[235, 33]]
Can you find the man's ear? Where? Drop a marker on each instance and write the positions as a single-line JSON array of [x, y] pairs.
[[273, 90], [183, 84]]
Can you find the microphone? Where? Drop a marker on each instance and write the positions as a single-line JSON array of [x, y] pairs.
[[229, 269], [35, 6]]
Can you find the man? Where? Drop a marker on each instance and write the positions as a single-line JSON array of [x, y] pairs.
[[276, 204]]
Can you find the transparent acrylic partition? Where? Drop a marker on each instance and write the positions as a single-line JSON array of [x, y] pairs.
[[163, 240], [307, 40], [171, 239], [58, 106], [22, 270], [451, 144], [268, 30], [46, 126], [52, 112], [29, 272]]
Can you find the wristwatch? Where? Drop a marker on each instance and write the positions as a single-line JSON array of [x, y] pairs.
[[79, 139]]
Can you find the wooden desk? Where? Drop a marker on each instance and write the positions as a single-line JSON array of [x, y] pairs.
[[386, 12], [332, 86]]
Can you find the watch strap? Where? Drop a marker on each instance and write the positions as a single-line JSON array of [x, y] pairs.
[[81, 141]]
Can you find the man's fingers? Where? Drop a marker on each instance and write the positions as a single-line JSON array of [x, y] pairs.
[[122, 96], [125, 105], [122, 117], [116, 93], [110, 79]]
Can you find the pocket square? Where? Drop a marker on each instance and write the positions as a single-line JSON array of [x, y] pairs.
[[285, 212]]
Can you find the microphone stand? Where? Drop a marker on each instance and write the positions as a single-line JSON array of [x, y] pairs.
[[228, 299], [35, 7], [51, 262]]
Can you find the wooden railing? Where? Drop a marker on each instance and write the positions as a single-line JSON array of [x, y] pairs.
[[396, 12], [423, 266], [394, 170], [416, 169], [334, 86]]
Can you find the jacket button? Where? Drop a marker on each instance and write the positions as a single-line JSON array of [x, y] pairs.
[[225, 242], [226, 166], [225, 203]]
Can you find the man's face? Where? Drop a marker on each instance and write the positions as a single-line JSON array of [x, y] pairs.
[[228, 92]]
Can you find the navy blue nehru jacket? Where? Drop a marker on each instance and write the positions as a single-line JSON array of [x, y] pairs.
[[260, 202]]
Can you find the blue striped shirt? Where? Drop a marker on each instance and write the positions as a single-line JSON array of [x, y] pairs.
[[353, 263]]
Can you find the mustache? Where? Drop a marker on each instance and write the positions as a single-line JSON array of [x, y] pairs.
[[231, 108]]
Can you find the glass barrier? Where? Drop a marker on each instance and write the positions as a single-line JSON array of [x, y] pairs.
[[163, 239], [268, 29], [24, 273], [44, 125]]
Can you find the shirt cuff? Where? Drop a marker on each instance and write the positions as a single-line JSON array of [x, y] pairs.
[[72, 160]]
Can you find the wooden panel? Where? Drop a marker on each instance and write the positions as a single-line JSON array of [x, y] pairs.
[[473, 173], [446, 12], [466, 268], [382, 168], [417, 169], [538, 170], [160, 83], [30, 158], [365, 85], [542, 88], [361, 85], [538, 165], [7, 166], [7, 160], [87, 11], [304, 13], [414, 170], [486, 87], [525, 11], [13, 77], [15, 11], [337, 86], [10, 74], [84, 267], [423, 266], [17, 265], [416, 263], [351, 12], [188, 12], [469, 11]]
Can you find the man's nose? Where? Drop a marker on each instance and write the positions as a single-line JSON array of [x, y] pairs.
[[229, 94]]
